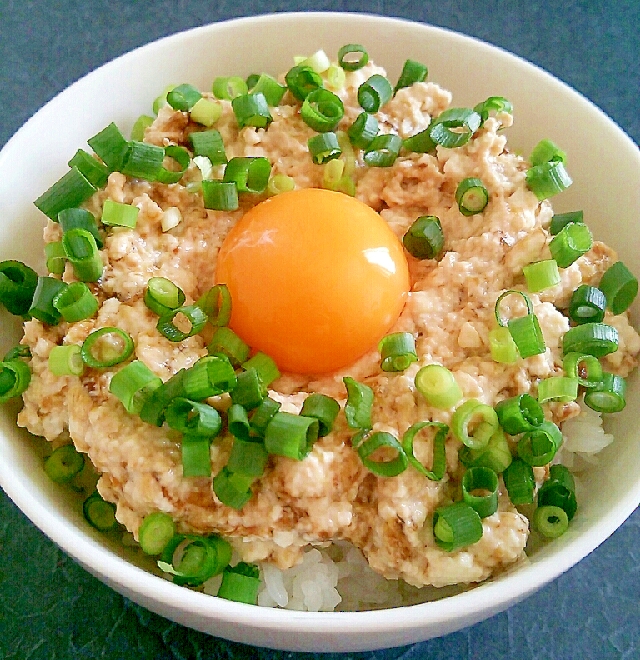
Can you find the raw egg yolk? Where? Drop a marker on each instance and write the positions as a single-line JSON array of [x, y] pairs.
[[316, 279]]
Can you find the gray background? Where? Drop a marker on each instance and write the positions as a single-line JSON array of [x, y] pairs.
[[50, 608]]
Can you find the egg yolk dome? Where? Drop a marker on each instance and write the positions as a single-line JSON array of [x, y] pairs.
[[316, 279]]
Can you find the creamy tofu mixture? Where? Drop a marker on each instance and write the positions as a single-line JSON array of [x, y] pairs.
[[450, 310]]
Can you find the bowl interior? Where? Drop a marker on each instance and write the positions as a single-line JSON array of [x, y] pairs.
[[603, 163]]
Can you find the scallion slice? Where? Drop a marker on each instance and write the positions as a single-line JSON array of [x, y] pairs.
[[473, 423], [425, 238], [162, 296], [238, 422], [548, 179], [456, 526], [619, 286], [493, 104], [324, 147], [502, 347], [249, 390], [559, 490], [397, 351], [193, 418], [132, 384], [227, 88], [587, 305], [220, 195], [250, 174], [550, 521], [183, 97], [541, 275], [383, 150], [280, 183], [56, 258], [66, 360], [290, 435], [155, 532], [93, 170], [261, 416], [75, 217], [519, 414], [301, 80], [81, 251], [216, 304], [439, 457], [193, 559], [69, 191], [570, 243], [265, 367], [18, 283], [561, 220], [42, 307], [155, 402], [272, 90], [322, 110], [142, 161], [363, 130], [547, 151], [140, 125], [586, 368], [206, 112], [519, 482], [525, 330], [63, 464], [252, 110], [608, 395], [99, 513], [117, 214], [106, 347], [598, 339], [320, 407], [438, 386], [538, 447], [179, 159], [558, 388], [359, 404], [374, 93], [15, 377], [210, 376], [232, 489], [240, 583], [110, 146], [190, 317], [226, 342], [496, 455], [476, 480], [471, 196], [195, 453], [412, 72], [209, 144], [420, 143], [352, 57], [247, 458], [386, 444], [454, 127]]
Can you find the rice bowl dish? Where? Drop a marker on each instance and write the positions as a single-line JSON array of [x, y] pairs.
[[310, 522]]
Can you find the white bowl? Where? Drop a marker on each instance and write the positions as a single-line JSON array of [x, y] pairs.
[[605, 166]]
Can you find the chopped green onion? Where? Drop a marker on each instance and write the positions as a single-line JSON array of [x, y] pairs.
[[216, 304], [425, 238], [473, 423], [232, 489], [454, 127], [352, 57], [99, 513], [227, 342], [272, 90], [598, 339], [374, 93], [195, 318], [70, 190], [249, 390], [290, 435], [319, 61], [363, 130], [229, 87], [161, 101], [382, 467], [587, 305], [502, 320], [560, 220], [95, 172], [238, 422], [106, 347], [205, 112], [132, 384], [335, 77], [496, 455], [456, 526], [397, 351], [183, 97], [250, 174], [538, 447], [240, 583], [322, 110], [586, 368], [82, 252], [17, 352], [475, 480], [265, 367], [558, 388], [519, 482], [262, 415], [252, 110], [72, 218], [66, 361], [471, 196], [541, 275], [438, 386], [247, 458], [439, 457], [520, 413], [502, 347], [220, 195], [56, 258], [181, 160], [493, 104], [42, 307], [550, 521], [383, 150], [155, 532], [195, 453], [323, 408], [548, 179], [116, 214], [559, 490], [324, 147], [155, 402], [162, 295], [143, 161], [608, 395], [193, 559], [210, 376], [64, 464], [280, 183], [193, 418], [139, 126], [110, 146], [619, 286], [209, 144], [420, 143], [18, 283], [570, 243], [527, 335], [412, 72], [301, 80], [359, 404], [547, 151]]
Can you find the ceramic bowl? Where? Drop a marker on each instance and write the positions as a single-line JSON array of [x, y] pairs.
[[605, 166]]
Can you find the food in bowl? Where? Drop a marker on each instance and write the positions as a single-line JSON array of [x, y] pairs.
[[449, 408]]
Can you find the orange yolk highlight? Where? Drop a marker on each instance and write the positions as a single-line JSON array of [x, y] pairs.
[[316, 279]]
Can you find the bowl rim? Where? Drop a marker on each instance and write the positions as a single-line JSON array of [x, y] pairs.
[[121, 573]]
